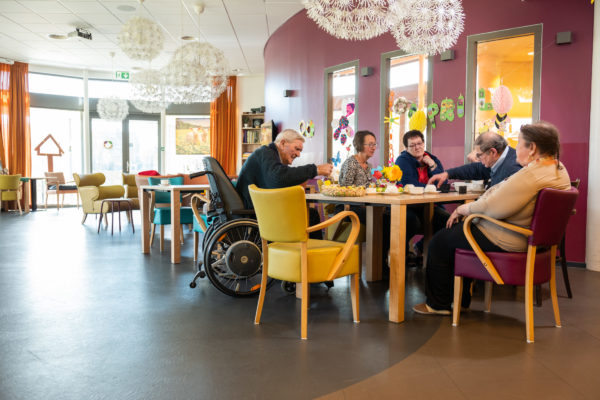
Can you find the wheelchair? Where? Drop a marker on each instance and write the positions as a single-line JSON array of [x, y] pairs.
[[231, 246]]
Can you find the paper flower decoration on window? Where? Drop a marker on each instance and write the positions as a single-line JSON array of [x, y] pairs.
[[502, 100], [141, 39], [350, 19], [400, 105], [418, 121], [426, 26], [112, 108]]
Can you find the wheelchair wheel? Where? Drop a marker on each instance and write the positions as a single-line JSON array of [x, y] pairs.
[[233, 258]]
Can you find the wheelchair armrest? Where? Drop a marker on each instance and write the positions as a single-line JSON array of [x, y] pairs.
[[201, 173]]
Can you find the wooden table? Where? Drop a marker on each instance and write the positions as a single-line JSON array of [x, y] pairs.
[[30, 182], [176, 192], [398, 205]]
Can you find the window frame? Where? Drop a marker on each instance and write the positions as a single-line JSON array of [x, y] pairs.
[[384, 94], [328, 103], [471, 80]]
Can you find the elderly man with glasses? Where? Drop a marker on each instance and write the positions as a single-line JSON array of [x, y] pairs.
[[497, 161]]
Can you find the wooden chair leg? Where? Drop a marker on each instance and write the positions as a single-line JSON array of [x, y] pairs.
[[563, 263], [354, 287], [84, 217], [305, 296], [181, 233], [46, 204], [162, 238], [152, 234], [553, 295], [57, 200], [458, 285], [529, 294], [488, 296], [263, 283]]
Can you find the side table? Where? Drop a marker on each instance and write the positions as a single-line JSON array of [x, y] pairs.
[[129, 205]]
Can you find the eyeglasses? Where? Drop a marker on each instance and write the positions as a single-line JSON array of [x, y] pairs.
[[371, 145], [478, 155], [416, 145]]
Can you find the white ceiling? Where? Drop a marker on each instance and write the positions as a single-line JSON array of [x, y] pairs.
[[240, 28]]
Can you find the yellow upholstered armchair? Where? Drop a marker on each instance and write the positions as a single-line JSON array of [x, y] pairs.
[[288, 253], [131, 190], [92, 193], [10, 189]]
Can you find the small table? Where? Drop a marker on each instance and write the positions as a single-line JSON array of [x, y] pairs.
[[176, 191], [118, 203], [30, 192]]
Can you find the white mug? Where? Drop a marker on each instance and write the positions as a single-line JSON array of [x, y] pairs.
[[165, 182]]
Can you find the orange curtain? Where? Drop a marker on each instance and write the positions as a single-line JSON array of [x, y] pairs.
[[223, 128], [4, 111], [19, 137]]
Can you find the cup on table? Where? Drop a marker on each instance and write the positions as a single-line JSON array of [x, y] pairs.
[[462, 189], [165, 182], [445, 188], [477, 186]]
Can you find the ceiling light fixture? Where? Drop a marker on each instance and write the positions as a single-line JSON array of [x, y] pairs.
[[350, 19], [188, 38], [141, 39], [426, 26], [56, 36]]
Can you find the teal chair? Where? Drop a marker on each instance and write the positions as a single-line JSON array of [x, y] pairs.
[[160, 203], [200, 220]]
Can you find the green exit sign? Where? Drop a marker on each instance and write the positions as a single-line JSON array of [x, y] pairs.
[[122, 75]]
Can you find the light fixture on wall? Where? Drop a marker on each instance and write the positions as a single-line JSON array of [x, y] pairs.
[[350, 19], [426, 26], [141, 39]]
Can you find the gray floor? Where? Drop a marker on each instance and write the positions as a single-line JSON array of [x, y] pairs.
[[87, 316]]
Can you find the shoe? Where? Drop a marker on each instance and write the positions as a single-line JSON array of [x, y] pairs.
[[423, 308]]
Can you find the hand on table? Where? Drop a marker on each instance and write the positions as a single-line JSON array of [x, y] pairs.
[[438, 179]]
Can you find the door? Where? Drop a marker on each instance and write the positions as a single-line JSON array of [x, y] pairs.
[[127, 146]]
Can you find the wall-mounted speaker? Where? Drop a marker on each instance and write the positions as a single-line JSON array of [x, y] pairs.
[[447, 55], [366, 71], [563, 37]]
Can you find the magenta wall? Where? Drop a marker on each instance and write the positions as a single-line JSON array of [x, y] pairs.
[[298, 52]]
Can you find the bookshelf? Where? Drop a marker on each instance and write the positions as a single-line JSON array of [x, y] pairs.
[[251, 133]]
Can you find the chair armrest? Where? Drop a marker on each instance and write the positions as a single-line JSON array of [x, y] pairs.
[[342, 255], [197, 199], [485, 260]]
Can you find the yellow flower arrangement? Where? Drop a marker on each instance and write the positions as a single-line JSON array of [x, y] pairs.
[[393, 173]]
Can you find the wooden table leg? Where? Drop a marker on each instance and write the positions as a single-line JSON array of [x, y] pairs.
[[374, 239], [175, 226], [26, 195], [145, 214], [427, 228], [397, 259]]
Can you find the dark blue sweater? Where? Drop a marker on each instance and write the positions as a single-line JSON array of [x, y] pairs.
[[265, 169], [409, 165], [477, 170]]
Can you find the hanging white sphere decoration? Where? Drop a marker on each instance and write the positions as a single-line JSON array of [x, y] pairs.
[[112, 108], [141, 39], [198, 72], [350, 19], [426, 26], [148, 91]]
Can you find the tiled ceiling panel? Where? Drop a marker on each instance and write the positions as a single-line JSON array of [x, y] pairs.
[[240, 28]]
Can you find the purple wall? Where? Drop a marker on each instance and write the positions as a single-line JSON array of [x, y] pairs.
[[298, 52]]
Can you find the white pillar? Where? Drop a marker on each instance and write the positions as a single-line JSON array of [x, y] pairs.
[[592, 248]]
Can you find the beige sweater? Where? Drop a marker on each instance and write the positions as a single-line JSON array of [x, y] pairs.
[[513, 201]]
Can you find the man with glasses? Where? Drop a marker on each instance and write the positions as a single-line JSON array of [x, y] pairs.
[[497, 161]]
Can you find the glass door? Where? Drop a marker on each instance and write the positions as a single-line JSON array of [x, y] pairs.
[[141, 136]]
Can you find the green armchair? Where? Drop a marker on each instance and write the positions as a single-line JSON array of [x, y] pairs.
[[92, 193]]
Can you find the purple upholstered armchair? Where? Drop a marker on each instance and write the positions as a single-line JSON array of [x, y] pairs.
[[550, 216]]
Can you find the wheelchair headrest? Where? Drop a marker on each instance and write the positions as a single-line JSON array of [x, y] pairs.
[[219, 183]]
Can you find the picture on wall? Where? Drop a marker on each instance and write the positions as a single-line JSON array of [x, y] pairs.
[[192, 136]]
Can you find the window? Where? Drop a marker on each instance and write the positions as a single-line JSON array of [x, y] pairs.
[[56, 85], [510, 59], [65, 127], [341, 110], [404, 76]]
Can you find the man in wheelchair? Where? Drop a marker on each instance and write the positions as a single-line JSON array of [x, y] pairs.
[[231, 246], [269, 167]]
